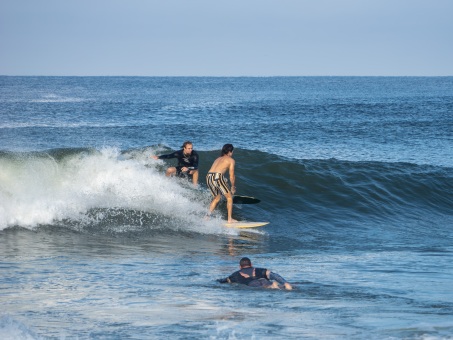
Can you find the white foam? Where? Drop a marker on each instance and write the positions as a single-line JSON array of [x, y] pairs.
[[11, 329], [53, 98], [40, 190]]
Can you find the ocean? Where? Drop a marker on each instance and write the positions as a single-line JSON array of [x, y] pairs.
[[354, 174]]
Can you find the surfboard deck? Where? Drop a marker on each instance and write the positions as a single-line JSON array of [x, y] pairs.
[[239, 199], [245, 224]]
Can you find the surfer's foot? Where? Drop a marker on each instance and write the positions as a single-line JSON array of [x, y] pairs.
[[232, 220], [274, 285], [207, 217]]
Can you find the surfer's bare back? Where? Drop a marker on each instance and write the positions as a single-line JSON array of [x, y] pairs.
[[216, 182]]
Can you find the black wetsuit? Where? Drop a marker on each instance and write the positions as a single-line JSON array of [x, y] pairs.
[[253, 277], [190, 161]]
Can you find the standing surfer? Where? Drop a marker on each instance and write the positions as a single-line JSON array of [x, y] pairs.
[[216, 182]]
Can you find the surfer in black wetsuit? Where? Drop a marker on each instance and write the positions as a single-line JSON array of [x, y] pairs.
[[187, 162], [256, 277]]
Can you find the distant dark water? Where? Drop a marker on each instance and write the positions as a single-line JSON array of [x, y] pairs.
[[390, 119]]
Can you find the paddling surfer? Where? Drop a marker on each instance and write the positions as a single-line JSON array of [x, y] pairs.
[[256, 277], [216, 181]]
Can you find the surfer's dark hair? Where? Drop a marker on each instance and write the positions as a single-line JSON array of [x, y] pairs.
[[227, 148], [245, 262], [185, 144]]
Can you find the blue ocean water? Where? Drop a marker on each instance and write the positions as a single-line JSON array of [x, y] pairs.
[[355, 175]]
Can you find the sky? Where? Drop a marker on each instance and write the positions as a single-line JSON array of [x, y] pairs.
[[226, 38]]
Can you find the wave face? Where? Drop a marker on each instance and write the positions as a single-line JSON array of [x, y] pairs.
[[337, 201], [126, 191], [368, 189]]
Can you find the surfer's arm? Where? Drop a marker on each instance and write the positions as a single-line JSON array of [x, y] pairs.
[[232, 176], [170, 155], [233, 278]]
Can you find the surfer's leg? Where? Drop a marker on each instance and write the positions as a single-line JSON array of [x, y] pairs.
[[262, 283], [229, 198], [170, 171], [274, 285], [194, 174], [214, 203]]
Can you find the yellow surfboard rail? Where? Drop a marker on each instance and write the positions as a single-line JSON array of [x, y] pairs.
[[245, 224]]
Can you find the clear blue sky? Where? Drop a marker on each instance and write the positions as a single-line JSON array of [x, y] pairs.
[[226, 38]]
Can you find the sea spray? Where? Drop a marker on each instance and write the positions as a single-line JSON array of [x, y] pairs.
[[41, 188]]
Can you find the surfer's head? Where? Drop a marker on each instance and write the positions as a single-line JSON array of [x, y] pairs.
[[245, 262], [188, 142], [226, 149], [187, 147]]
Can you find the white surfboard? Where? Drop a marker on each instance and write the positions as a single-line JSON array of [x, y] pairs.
[[245, 224]]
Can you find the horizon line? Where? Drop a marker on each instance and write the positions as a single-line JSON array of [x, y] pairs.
[[223, 76]]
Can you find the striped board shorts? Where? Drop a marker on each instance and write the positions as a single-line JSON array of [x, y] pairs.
[[216, 183]]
